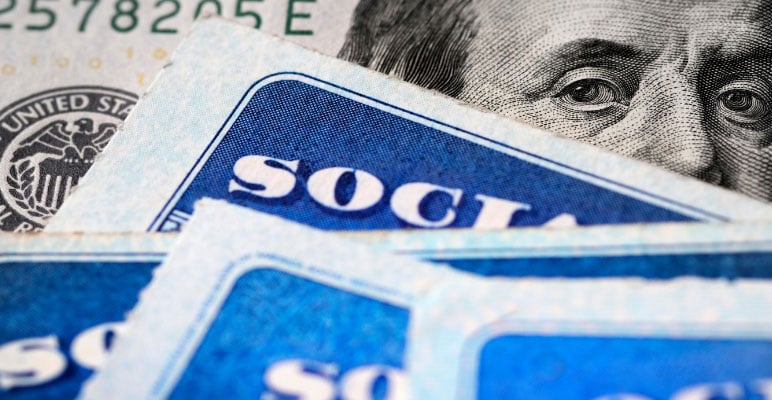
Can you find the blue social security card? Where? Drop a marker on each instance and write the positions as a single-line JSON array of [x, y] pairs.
[[248, 305], [62, 302], [684, 339], [250, 119], [653, 251]]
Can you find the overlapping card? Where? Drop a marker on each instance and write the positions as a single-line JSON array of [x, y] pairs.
[[63, 300], [297, 312]]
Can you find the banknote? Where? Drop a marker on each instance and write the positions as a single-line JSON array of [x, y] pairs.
[[326, 143], [653, 251], [607, 72], [63, 299], [680, 84], [72, 70], [592, 339], [249, 305]]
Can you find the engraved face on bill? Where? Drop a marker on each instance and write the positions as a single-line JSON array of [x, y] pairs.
[[681, 84]]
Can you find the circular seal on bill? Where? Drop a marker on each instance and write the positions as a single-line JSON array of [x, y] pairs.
[[47, 143]]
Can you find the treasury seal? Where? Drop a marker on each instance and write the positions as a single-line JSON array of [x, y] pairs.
[[47, 143]]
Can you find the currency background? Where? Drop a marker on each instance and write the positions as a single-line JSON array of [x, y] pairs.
[[71, 70], [684, 85], [123, 44]]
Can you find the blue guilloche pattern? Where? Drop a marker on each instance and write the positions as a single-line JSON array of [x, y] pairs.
[[271, 317], [292, 120], [749, 265], [63, 299], [581, 368]]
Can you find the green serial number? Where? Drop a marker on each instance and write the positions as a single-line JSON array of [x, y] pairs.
[[124, 17]]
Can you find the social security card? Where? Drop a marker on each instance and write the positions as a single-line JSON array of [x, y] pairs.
[[62, 302], [684, 339], [248, 118], [248, 305], [652, 251]]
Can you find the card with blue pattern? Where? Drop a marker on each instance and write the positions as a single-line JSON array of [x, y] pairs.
[[248, 305], [653, 251], [63, 299], [609, 339]]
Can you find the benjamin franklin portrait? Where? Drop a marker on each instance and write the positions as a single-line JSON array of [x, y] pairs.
[[683, 84]]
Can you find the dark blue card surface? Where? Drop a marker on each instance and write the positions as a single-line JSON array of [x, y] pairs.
[[48, 307], [582, 368], [750, 264], [266, 343]]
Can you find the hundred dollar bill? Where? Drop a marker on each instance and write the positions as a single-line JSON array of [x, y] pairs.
[[71, 71], [601, 71], [608, 72], [62, 302], [326, 143], [251, 306], [653, 251], [684, 339]]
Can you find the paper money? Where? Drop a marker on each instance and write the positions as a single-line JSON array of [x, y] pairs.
[[63, 299], [614, 81], [611, 81], [122, 44], [653, 251], [248, 305], [680, 84], [326, 143], [71, 71], [592, 339]]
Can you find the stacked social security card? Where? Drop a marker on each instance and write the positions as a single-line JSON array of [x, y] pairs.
[[63, 300], [273, 223]]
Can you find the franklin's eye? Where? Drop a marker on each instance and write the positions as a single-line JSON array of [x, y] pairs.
[[743, 105], [590, 89]]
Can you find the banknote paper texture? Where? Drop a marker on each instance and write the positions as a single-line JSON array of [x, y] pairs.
[[71, 71], [323, 142], [596, 339], [680, 84], [63, 299], [600, 71], [249, 305], [653, 251], [122, 44]]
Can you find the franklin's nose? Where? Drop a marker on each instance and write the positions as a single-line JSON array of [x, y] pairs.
[[664, 126]]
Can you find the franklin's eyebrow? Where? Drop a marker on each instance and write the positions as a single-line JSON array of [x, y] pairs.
[[749, 50], [587, 50], [548, 67]]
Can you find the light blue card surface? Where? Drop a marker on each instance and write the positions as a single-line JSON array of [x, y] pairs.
[[280, 129], [251, 306], [62, 302], [684, 339], [654, 251]]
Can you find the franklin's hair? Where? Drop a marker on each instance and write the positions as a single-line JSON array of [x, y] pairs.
[[424, 42]]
